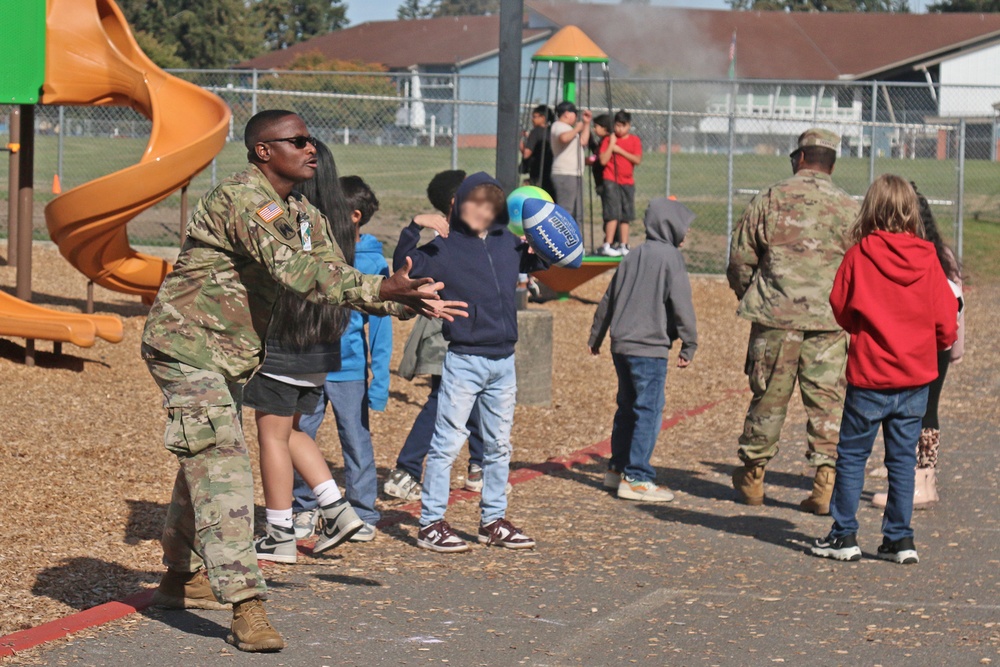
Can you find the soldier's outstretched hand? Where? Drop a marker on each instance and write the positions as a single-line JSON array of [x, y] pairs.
[[421, 295]]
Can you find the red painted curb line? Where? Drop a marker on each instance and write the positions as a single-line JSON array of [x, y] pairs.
[[112, 611]]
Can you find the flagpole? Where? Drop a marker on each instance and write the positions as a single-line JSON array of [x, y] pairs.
[[732, 144]]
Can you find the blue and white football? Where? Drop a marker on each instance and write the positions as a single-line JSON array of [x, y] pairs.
[[553, 233]]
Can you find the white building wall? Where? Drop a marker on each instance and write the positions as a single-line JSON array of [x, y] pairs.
[[959, 75]]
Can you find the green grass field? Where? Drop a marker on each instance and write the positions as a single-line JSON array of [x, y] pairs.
[[399, 175]]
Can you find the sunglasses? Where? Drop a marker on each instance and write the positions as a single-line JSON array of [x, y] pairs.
[[299, 142]]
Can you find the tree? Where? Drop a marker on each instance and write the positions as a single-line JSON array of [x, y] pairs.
[[288, 22], [333, 112], [415, 9], [466, 7], [973, 6]]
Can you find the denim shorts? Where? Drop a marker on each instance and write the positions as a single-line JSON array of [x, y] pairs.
[[280, 398]]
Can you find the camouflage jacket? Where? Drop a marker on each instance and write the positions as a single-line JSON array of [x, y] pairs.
[[786, 249], [244, 244]]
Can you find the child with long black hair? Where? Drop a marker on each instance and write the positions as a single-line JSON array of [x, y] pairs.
[[925, 490], [303, 346]]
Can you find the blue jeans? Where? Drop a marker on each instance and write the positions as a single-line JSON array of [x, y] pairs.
[[465, 380], [350, 408], [899, 412], [418, 442], [641, 382]]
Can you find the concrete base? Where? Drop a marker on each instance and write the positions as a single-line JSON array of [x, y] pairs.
[[533, 356]]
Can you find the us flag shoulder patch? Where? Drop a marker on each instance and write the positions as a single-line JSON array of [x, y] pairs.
[[269, 211]]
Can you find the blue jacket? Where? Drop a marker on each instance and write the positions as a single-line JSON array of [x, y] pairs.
[[354, 348], [480, 271]]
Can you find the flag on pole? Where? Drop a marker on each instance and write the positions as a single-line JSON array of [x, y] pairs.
[[732, 58]]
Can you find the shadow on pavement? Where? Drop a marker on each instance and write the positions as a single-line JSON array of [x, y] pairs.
[[83, 582], [191, 623], [768, 529]]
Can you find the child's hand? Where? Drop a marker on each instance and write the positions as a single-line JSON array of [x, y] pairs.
[[587, 116], [594, 351], [433, 221], [683, 363]]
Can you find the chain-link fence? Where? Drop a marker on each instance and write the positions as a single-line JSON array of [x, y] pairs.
[[713, 144]]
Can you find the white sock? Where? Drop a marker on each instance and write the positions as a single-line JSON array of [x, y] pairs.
[[280, 518], [327, 493]]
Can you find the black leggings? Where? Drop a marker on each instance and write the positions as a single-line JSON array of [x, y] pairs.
[[934, 391]]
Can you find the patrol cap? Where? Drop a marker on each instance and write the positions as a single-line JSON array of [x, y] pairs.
[[817, 136]]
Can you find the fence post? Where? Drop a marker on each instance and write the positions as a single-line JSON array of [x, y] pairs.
[[960, 200], [729, 169], [454, 120], [253, 95], [433, 130], [59, 145], [871, 149], [215, 179], [670, 134]]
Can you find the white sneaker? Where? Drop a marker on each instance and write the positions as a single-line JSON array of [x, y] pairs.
[[474, 480], [612, 480], [624, 250], [647, 492], [365, 534], [608, 251], [304, 524], [401, 484]]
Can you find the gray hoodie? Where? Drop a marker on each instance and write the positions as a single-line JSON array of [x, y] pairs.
[[648, 303]]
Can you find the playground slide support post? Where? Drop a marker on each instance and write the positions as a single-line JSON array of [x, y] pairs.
[[25, 210], [13, 179], [509, 92]]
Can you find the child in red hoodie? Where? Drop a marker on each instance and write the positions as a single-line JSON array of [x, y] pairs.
[[892, 297]]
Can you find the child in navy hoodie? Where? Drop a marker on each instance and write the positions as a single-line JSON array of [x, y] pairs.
[[481, 260], [892, 297]]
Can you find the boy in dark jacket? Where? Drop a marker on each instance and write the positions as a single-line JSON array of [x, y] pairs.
[[484, 259], [647, 307]]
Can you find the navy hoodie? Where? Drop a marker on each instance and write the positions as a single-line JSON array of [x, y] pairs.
[[480, 271]]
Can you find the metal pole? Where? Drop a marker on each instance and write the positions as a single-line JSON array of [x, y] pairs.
[[729, 170], [670, 133], [215, 175], [25, 200], [874, 119], [509, 92], [184, 214], [59, 149], [960, 200], [454, 119], [253, 96], [12, 183]]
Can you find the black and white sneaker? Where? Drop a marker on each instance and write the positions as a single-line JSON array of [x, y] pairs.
[[503, 533], [277, 545], [901, 551], [845, 548], [339, 522]]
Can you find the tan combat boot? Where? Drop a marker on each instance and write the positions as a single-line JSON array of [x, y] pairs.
[[186, 590], [818, 501], [924, 490], [251, 631], [748, 480]]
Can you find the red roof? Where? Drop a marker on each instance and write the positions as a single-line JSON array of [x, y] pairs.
[[401, 44], [770, 45]]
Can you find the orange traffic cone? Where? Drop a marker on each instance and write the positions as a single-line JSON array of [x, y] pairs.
[[56, 185]]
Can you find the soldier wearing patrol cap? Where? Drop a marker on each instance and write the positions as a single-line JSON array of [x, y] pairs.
[[784, 255], [248, 239]]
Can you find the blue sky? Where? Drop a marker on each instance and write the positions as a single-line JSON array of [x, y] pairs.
[[359, 11]]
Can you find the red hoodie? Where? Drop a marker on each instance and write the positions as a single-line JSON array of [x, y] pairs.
[[892, 296]]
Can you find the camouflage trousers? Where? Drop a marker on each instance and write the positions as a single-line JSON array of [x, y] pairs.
[[210, 520], [776, 359]]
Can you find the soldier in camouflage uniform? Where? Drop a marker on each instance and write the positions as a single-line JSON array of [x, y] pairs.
[[784, 255], [247, 239]]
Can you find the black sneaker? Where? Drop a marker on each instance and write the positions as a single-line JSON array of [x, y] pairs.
[[901, 551], [845, 548]]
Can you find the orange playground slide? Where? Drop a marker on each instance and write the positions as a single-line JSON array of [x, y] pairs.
[[92, 59]]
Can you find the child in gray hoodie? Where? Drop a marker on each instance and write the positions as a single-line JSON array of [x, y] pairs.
[[647, 307]]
